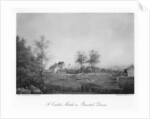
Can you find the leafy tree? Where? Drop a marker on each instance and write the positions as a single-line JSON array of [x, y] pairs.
[[41, 57], [81, 59], [93, 59], [25, 64]]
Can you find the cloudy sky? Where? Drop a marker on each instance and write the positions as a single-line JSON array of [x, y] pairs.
[[111, 34]]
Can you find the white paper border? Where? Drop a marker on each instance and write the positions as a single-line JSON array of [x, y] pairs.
[[118, 106]]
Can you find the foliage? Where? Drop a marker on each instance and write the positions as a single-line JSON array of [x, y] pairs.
[[26, 66], [73, 71], [30, 67], [93, 59], [41, 57], [81, 59]]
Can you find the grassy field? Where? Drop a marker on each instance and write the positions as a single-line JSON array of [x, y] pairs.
[[87, 83]]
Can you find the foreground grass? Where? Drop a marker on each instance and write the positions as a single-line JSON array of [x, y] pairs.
[[91, 83]]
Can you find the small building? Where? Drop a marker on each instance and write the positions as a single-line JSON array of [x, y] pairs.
[[52, 69], [58, 68], [130, 71]]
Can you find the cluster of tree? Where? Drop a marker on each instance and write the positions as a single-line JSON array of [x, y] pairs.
[[31, 65], [93, 59], [84, 69], [72, 71]]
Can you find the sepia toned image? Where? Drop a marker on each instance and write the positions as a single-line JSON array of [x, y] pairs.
[[75, 53]]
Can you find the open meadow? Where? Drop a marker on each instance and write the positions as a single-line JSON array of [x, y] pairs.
[[87, 83]]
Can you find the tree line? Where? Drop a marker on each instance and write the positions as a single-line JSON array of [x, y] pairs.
[[31, 64], [93, 59]]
